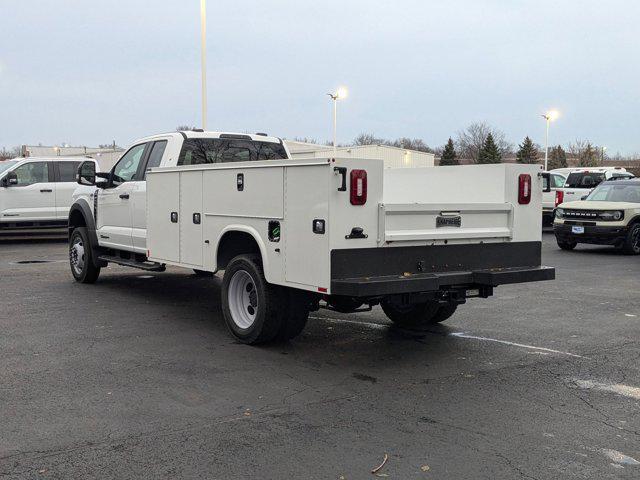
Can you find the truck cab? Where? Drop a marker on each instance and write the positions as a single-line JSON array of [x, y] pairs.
[[120, 204]]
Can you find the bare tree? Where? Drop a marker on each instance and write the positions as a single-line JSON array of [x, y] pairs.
[[469, 141], [304, 140], [368, 139], [402, 142], [7, 153], [586, 153]]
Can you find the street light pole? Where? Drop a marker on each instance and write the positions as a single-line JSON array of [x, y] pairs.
[[203, 57], [549, 117], [335, 121], [339, 95], [546, 144]]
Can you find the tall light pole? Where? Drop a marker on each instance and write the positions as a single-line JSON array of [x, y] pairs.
[[203, 57], [549, 117], [341, 93]]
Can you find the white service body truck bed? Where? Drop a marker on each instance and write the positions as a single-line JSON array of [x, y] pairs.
[[401, 248]]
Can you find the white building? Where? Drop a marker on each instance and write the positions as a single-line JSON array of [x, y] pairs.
[[106, 157], [393, 157]]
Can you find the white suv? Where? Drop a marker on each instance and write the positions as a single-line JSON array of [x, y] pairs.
[[36, 193]]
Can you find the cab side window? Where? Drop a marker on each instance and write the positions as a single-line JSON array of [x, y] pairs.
[[557, 181], [67, 171], [127, 167], [155, 156], [30, 173]]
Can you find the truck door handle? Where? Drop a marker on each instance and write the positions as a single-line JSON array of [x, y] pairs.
[[46, 190], [124, 196], [343, 172]]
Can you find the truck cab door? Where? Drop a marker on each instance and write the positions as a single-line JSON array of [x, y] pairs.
[[139, 196], [33, 198], [115, 205]]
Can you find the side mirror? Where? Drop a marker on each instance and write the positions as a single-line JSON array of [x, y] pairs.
[[86, 173], [546, 182], [10, 179]]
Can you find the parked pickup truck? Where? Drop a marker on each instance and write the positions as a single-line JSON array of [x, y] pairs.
[[292, 235], [581, 181], [36, 194]]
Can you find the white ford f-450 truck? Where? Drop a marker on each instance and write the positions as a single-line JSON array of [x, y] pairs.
[[294, 234]]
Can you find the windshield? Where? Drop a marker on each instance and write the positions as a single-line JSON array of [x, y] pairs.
[[4, 166], [584, 179], [616, 193]]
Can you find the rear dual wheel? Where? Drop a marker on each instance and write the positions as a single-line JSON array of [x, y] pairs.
[[418, 316], [256, 311]]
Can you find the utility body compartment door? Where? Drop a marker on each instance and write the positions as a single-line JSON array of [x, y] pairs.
[[190, 219], [163, 208], [306, 200]]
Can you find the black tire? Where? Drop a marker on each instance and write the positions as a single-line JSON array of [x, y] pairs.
[[566, 245], [294, 313], [343, 304], [266, 300], [444, 313], [202, 273], [631, 245], [418, 316], [81, 262]]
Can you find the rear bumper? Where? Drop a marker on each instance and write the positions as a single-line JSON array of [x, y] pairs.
[[397, 270], [592, 234], [429, 282]]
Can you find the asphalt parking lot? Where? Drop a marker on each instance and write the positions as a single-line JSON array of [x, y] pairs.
[[136, 377]]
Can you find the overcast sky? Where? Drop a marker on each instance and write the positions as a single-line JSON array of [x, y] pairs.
[[89, 72]]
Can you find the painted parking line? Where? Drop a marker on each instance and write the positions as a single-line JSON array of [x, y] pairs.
[[617, 388], [513, 344], [379, 326]]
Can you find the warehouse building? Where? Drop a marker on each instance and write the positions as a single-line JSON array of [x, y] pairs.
[[393, 157]]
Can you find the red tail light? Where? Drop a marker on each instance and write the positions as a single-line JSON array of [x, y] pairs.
[[358, 187], [559, 197], [524, 188]]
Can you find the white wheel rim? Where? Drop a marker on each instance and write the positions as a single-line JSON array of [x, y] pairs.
[[243, 299], [76, 255]]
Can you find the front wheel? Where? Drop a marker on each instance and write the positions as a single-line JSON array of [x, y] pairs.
[[566, 245], [81, 257], [249, 304], [631, 245]]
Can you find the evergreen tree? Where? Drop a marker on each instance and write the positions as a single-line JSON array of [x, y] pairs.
[[449, 154], [489, 152], [527, 152], [557, 158]]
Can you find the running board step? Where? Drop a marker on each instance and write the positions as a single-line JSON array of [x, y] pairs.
[[148, 266]]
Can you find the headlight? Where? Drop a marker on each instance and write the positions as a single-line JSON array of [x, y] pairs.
[[559, 212], [614, 215]]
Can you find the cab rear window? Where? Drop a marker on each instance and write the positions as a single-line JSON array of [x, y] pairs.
[[584, 179], [198, 151]]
